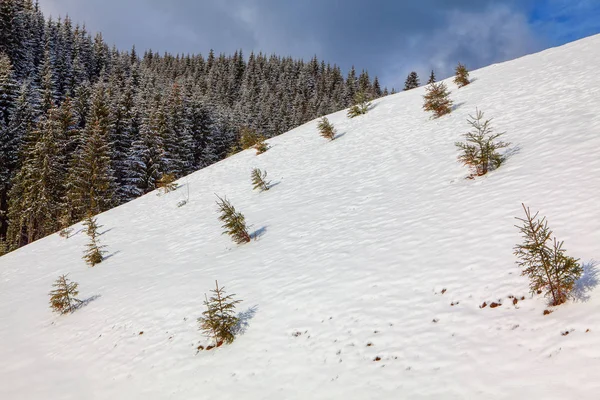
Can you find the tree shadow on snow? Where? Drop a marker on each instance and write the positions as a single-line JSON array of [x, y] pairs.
[[272, 185], [258, 233], [85, 302], [244, 320], [111, 255], [106, 231], [339, 135], [457, 106], [587, 283]]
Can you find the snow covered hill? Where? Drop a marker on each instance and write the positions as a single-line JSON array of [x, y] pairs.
[[364, 244]]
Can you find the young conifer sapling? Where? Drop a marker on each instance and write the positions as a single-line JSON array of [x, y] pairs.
[[219, 320], [544, 262], [361, 105], [234, 223], [326, 128], [437, 99], [63, 298], [166, 183], [480, 151], [94, 253], [462, 76], [259, 181]]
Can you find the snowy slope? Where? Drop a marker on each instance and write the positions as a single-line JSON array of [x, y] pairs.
[[358, 239]]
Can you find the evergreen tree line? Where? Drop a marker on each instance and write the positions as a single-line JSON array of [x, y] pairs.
[[85, 127]]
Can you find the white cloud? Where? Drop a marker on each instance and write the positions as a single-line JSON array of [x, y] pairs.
[[474, 38]]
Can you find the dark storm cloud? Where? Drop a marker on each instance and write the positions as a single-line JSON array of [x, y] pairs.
[[389, 38]]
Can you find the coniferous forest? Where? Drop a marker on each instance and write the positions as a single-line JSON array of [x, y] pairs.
[[85, 127]]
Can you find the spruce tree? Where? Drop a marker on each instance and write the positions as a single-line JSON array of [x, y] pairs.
[[234, 223], [437, 99], [431, 78], [480, 151], [412, 81], [9, 136], [90, 185], [36, 197], [544, 262], [94, 251], [361, 105], [63, 299], [219, 320], [326, 129], [259, 180], [462, 76]]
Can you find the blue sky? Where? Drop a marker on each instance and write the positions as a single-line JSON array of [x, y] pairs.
[[389, 38]]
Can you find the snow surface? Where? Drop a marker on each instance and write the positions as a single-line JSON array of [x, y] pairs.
[[357, 240]]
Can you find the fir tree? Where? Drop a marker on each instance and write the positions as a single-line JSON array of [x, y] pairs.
[[481, 148], [462, 76], [94, 253], [361, 105], [259, 180], [326, 129], [234, 222], [544, 262], [36, 196], [412, 81], [431, 78], [219, 320], [437, 99], [63, 299], [9, 136], [90, 185]]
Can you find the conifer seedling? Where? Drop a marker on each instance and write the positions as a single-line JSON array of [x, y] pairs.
[[63, 298], [259, 180], [480, 151], [544, 261], [234, 223], [326, 129], [219, 320], [167, 183], [437, 99], [462, 76], [94, 254], [261, 147], [361, 105]]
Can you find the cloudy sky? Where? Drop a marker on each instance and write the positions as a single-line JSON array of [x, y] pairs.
[[389, 38]]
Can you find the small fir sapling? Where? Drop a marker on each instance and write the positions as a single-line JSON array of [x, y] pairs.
[[166, 183], [437, 99], [234, 222], [361, 105], [544, 262], [326, 128], [249, 138], [261, 147], [63, 298], [259, 180], [480, 151], [94, 253], [462, 76], [219, 320]]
